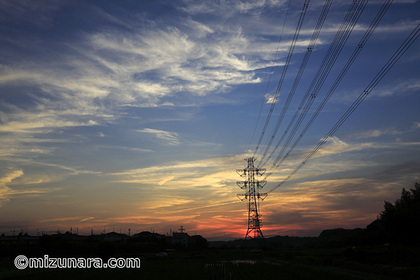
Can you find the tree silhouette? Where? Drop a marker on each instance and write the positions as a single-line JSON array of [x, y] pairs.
[[399, 222]]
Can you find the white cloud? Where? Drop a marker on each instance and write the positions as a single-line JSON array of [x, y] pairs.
[[370, 134], [399, 88], [170, 138], [40, 125], [401, 26], [112, 69], [6, 192], [180, 60], [227, 9], [131, 149], [270, 98], [336, 146], [215, 173], [375, 133], [201, 30]]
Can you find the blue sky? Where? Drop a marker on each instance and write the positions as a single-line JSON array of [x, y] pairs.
[[136, 114]]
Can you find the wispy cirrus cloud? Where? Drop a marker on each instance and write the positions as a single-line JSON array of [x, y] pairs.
[[6, 192], [387, 131], [169, 138], [228, 8], [92, 77]]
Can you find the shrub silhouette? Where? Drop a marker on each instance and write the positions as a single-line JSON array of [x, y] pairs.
[[399, 222]]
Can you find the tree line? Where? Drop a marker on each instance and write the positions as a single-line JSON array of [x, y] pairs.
[[399, 222]]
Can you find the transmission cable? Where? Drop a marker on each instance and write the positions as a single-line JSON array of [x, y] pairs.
[[340, 39], [340, 77], [271, 74], [375, 81], [285, 67], [302, 67]]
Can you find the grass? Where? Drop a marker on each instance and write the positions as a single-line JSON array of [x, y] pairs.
[[187, 269], [281, 264]]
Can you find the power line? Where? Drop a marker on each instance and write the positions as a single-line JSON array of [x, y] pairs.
[[375, 81], [340, 39], [340, 77], [302, 67], [285, 67], [271, 74]]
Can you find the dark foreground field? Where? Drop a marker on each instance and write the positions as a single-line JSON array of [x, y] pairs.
[[297, 263]]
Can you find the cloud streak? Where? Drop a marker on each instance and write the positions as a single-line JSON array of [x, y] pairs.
[[6, 192], [170, 138]]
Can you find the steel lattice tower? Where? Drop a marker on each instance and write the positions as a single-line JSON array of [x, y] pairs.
[[253, 195]]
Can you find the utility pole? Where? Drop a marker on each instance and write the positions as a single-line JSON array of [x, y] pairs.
[[253, 195]]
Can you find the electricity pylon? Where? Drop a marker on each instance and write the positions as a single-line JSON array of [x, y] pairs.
[[253, 195]]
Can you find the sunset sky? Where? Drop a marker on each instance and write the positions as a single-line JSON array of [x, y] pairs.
[[118, 115]]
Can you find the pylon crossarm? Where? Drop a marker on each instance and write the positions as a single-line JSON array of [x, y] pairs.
[[261, 184], [260, 171], [242, 184], [262, 196], [241, 172], [242, 197]]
